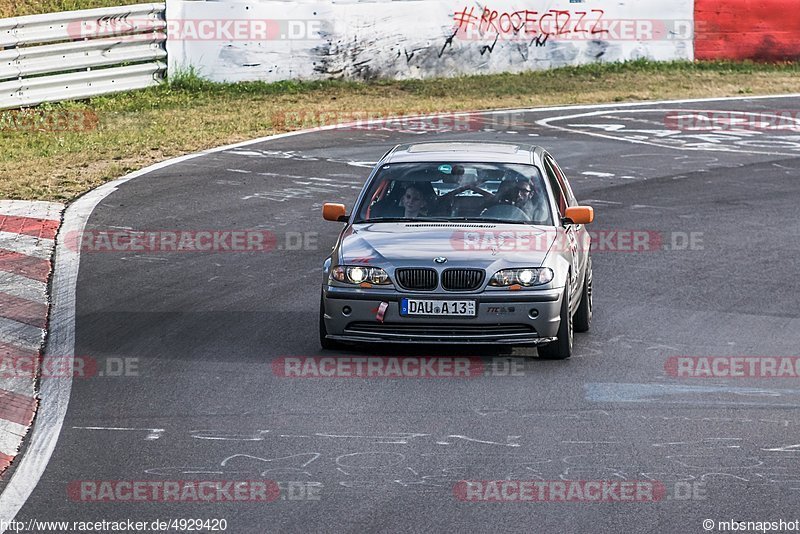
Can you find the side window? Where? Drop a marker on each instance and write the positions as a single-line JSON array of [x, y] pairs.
[[562, 180], [558, 192]]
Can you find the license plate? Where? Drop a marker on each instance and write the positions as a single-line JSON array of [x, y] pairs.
[[449, 308]]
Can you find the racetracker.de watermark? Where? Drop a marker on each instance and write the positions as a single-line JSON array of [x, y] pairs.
[[174, 491], [721, 121], [396, 121], [30, 366], [601, 241], [300, 490], [583, 491], [733, 366], [207, 29], [163, 241], [395, 367], [44, 120]]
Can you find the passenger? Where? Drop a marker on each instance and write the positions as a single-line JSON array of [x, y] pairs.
[[415, 201]]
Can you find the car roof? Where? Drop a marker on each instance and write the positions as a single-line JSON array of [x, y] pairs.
[[466, 151]]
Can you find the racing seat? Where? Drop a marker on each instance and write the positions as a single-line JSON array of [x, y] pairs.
[[386, 207], [389, 205]]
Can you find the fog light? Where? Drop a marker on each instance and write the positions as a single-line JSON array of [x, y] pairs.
[[534, 313], [346, 311]]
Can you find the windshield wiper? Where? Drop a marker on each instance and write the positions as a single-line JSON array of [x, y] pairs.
[[485, 219], [402, 219], [442, 220]]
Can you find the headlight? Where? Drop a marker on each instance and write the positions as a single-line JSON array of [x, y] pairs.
[[524, 277], [360, 275], [357, 274]]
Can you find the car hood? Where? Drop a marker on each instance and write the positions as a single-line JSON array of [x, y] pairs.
[[475, 245]]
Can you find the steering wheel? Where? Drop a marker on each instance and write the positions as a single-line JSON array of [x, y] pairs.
[[505, 211]]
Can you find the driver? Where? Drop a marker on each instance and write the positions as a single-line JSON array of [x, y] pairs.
[[516, 192]]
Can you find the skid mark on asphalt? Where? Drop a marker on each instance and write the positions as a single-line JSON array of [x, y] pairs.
[[303, 190], [693, 395], [294, 155], [346, 462], [302, 187]]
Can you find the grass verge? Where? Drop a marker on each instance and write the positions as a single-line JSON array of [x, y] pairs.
[[17, 8], [188, 114]]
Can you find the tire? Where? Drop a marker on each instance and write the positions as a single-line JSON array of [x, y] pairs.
[[325, 343], [583, 315], [561, 349]]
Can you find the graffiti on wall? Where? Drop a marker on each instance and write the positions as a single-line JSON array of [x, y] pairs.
[[437, 38], [527, 22]]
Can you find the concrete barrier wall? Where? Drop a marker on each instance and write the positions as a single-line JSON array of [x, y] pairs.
[[762, 30], [275, 40]]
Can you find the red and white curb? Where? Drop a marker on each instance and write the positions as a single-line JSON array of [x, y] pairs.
[[27, 239]]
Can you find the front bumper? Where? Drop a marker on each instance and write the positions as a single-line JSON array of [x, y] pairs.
[[502, 317]]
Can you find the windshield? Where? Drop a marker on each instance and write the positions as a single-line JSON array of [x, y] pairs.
[[488, 192]]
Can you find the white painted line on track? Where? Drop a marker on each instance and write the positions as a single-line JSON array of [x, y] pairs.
[[625, 105], [152, 434], [575, 130], [599, 174], [55, 392]]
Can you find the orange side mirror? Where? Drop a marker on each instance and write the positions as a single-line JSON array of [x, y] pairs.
[[580, 214], [334, 212]]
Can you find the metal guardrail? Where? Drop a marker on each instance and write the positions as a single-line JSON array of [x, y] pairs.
[[79, 54]]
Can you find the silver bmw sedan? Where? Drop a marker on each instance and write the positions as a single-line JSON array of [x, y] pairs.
[[460, 243]]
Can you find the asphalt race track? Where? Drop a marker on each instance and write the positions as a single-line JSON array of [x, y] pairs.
[[384, 454]]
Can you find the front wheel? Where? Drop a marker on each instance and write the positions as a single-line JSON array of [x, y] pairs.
[[561, 349], [583, 315]]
